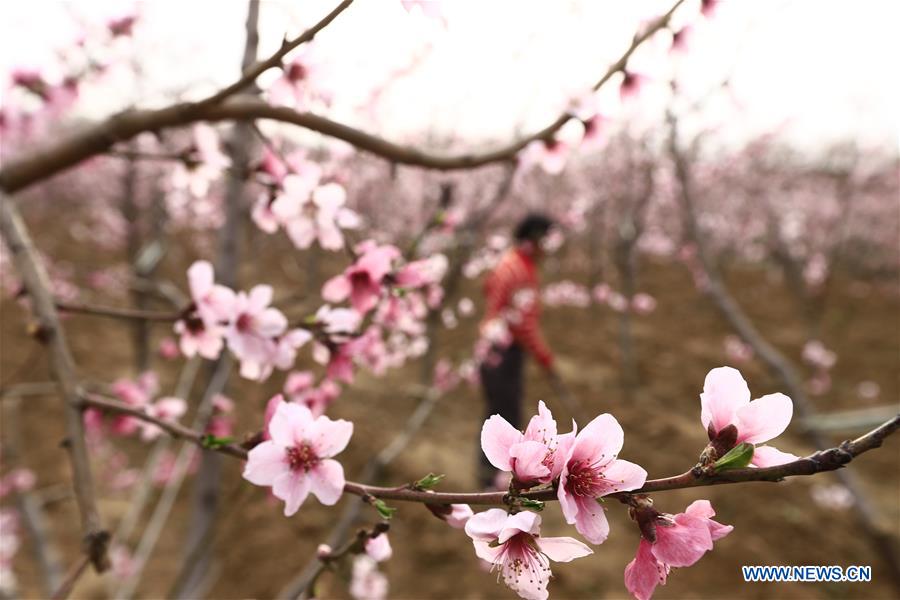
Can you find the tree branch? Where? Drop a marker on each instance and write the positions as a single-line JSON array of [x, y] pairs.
[[116, 312], [102, 136], [830, 459], [62, 366]]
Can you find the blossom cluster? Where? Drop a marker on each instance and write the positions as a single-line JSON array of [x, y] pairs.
[[139, 394], [583, 467], [256, 333]]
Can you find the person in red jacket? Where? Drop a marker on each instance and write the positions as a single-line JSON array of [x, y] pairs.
[[512, 325]]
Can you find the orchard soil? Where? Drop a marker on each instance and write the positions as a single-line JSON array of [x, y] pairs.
[[258, 550]]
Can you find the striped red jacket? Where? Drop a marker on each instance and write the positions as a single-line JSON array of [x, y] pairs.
[[511, 292]]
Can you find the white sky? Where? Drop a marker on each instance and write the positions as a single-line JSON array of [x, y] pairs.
[[814, 70]]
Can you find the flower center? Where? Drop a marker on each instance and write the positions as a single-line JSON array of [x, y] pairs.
[[359, 279], [584, 479], [244, 323], [301, 458]]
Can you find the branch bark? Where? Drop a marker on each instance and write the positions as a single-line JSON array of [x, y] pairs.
[[101, 137], [830, 459], [62, 365]]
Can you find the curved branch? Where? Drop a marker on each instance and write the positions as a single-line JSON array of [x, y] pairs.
[[101, 137], [825, 460]]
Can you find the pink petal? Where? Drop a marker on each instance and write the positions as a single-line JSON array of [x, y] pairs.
[[525, 521], [459, 515], [566, 500], [271, 322], [764, 418], [644, 573], [289, 423], [562, 549], [528, 464], [293, 488], [200, 278], [684, 543], [542, 426], [329, 437], [497, 438], [767, 456], [724, 392], [265, 463], [600, 441], [564, 445], [622, 475], [327, 481], [485, 526], [702, 509], [379, 548], [484, 551], [301, 231], [591, 520], [337, 289], [330, 237], [260, 297], [329, 197], [364, 297]]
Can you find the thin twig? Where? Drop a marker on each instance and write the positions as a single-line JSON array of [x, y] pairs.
[[72, 578], [116, 312], [830, 459]]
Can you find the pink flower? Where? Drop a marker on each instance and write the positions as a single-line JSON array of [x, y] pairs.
[[220, 424], [643, 304], [297, 459], [204, 167], [591, 470], [168, 348], [817, 355], [203, 327], [459, 515], [253, 330], [534, 457], [121, 26], [310, 213], [681, 540], [731, 418], [379, 547], [166, 409], [681, 39], [367, 582], [361, 282], [736, 350], [708, 8], [299, 388], [631, 85], [513, 544], [550, 155]]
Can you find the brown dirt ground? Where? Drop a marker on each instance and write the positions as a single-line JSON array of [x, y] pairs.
[[259, 550]]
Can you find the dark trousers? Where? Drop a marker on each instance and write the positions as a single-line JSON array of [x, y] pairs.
[[503, 384]]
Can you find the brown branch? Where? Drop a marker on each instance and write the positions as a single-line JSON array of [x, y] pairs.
[[116, 312], [102, 136], [830, 459], [250, 74], [62, 365], [174, 429], [72, 577]]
